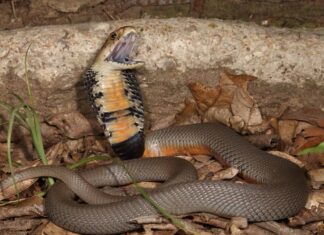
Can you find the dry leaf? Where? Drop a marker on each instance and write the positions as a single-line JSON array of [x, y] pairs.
[[220, 113], [152, 229], [51, 228], [209, 169], [18, 226], [307, 216], [302, 143], [317, 176], [202, 158], [314, 199], [228, 88], [279, 228], [12, 190], [239, 80], [287, 157], [32, 206], [234, 106], [240, 222], [312, 115], [237, 123], [315, 160], [244, 106], [313, 131], [228, 173], [204, 96], [188, 114], [287, 130], [308, 137], [73, 124], [229, 82], [6, 193], [228, 103]]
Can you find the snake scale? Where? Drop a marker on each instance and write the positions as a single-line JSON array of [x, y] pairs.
[[281, 189]]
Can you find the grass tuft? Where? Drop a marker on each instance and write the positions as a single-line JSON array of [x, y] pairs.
[[25, 115]]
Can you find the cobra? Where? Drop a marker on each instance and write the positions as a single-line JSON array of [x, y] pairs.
[[280, 191]]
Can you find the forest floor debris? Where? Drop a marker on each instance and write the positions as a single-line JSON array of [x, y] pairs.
[[229, 102]]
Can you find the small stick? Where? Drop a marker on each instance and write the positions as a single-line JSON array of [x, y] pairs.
[[13, 8]]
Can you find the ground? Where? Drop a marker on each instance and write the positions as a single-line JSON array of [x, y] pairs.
[[70, 137]]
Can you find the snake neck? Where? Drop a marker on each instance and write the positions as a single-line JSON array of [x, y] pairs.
[[116, 98]]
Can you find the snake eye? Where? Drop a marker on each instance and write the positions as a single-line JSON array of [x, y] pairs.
[[113, 35]]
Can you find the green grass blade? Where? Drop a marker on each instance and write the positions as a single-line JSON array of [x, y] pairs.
[[35, 131], [9, 109], [9, 137], [147, 197], [29, 89], [88, 159], [316, 149]]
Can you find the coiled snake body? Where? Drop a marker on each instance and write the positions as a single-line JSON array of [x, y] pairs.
[[281, 190]]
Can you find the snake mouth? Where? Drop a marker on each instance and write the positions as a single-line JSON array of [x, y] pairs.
[[123, 50]]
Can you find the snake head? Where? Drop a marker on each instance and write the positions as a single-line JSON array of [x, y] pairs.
[[118, 48]]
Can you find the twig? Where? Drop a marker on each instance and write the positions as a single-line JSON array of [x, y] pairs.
[[13, 8]]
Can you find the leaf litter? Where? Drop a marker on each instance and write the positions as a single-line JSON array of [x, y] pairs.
[[70, 136]]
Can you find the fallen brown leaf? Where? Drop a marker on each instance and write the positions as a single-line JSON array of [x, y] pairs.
[[244, 106], [32, 207], [228, 173], [189, 114], [313, 131], [224, 224], [155, 229], [51, 229], [204, 96], [308, 137], [278, 228], [317, 177], [302, 143], [313, 160], [314, 199], [229, 82], [73, 124], [237, 225], [205, 159], [228, 103], [307, 216], [312, 115], [234, 106], [207, 170], [13, 190], [315, 227], [287, 130], [18, 225], [237, 123], [238, 80], [220, 113], [287, 157]]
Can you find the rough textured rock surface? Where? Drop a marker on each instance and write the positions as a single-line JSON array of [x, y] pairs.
[[288, 63]]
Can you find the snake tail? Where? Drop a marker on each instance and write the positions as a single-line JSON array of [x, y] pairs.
[[115, 94]]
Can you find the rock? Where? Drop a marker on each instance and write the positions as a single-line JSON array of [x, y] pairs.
[[72, 5], [195, 48]]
